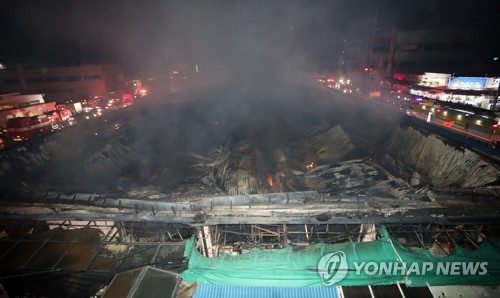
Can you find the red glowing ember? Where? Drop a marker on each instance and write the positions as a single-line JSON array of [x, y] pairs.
[[269, 179]]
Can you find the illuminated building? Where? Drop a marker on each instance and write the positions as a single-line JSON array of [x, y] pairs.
[[60, 83]]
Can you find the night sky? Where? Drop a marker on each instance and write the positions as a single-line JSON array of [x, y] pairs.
[[148, 36]]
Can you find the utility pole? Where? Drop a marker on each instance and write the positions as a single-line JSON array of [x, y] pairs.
[[392, 52], [371, 44], [372, 41], [495, 100]]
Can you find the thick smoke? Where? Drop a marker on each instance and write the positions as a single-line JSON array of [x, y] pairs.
[[253, 54], [251, 40], [222, 72]]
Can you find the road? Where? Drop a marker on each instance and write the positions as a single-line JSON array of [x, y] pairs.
[[468, 132]]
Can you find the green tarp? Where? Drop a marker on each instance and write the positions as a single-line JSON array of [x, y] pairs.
[[380, 262]]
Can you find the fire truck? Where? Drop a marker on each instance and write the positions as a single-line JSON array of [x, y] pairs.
[[26, 128], [136, 88], [64, 113]]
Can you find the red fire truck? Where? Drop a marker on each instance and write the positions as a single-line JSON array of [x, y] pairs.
[[26, 128], [64, 113]]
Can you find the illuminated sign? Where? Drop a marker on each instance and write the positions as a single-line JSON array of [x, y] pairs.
[[493, 83], [435, 79], [434, 75], [467, 83]]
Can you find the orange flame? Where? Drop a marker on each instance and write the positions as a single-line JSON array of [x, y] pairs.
[[269, 179]]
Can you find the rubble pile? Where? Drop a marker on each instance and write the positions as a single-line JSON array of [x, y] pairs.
[[356, 177], [441, 164], [237, 168]]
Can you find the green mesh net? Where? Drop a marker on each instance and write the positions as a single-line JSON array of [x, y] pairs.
[[380, 262]]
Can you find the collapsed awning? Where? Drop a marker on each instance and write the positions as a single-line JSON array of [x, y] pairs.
[[380, 262]]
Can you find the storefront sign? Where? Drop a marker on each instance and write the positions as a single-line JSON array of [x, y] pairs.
[[435, 79], [467, 83], [492, 83]]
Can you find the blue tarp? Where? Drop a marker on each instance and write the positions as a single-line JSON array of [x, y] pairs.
[[206, 290]]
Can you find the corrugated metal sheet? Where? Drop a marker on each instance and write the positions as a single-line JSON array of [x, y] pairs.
[[387, 292], [206, 290]]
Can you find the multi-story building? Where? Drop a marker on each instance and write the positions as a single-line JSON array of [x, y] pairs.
[[451, 51], [61, 83]]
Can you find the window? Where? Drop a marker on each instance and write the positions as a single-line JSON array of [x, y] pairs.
[[35, 80], [92, 77], [53, 79], [464, 46], [437, 46], [72, 78], [11, 81], [409, 47]]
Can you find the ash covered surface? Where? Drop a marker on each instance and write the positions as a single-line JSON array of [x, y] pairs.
[[244, 139]]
